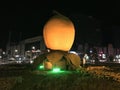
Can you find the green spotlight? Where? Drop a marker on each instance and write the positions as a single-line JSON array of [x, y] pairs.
[[56, 70], [41, 67]]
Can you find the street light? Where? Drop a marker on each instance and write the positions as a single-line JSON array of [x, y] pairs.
[[33, 47], [3, 53], [16, 50], [33, 52]]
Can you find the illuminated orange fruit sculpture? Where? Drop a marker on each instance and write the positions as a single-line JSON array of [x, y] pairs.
[[59, 33]]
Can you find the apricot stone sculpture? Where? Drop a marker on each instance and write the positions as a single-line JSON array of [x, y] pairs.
[[59, 34]]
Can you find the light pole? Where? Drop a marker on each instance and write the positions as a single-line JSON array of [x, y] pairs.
[[33, 51]]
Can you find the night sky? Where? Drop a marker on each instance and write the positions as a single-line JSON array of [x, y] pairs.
[[26, 20]]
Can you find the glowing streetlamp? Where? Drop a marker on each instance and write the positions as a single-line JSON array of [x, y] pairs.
[[33, 47]]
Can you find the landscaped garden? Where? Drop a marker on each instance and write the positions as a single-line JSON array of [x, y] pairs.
[[13, 77]]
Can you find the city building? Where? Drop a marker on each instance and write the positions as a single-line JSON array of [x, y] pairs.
[[25, 47]]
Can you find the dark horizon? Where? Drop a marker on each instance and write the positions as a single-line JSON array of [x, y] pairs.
[[29, 19]]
